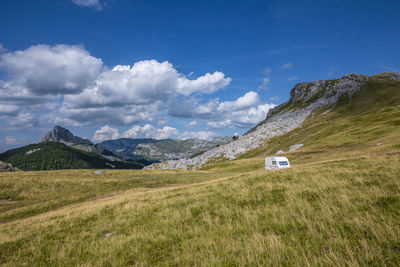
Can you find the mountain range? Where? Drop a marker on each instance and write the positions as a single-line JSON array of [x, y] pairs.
[[60, 149]]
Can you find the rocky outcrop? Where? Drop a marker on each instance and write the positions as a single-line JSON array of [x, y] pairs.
[[322, 93], [295, 147], [62, 135], [6, 167], [304, 98], [394, 76]]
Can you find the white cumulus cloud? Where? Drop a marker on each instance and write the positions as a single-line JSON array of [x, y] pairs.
[[49, 70], [105, 133], [149, 131], [77, 89], [142, 90], [245, 111], [143, 83], [8, 110]]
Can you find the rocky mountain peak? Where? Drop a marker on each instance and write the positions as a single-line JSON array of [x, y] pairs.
[[62, 135]]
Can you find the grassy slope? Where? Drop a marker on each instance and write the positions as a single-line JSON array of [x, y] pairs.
[[24, 194], [338, 205]]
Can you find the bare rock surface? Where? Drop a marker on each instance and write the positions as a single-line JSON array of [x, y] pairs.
[[295, 147], [6, 167], [62, 135]]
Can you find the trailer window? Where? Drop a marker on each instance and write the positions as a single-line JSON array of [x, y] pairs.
[[283, 163], [273, 162]]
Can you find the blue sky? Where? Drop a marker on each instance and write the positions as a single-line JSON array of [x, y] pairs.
[[176, 69]]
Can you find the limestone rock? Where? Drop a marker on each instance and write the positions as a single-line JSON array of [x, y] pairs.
[[62, 135], [6, 167], [295, 147]]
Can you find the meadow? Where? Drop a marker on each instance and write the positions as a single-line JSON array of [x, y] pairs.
[[343, 212]]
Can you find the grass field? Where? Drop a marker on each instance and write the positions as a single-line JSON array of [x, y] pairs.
[[344, 212], [339, 204]]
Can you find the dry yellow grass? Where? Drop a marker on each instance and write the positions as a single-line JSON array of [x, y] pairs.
[[334, 213]]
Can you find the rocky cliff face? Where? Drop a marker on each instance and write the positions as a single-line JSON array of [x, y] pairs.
[[62, 135], [304, 98]]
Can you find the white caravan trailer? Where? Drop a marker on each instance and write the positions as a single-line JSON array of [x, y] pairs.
[[274, 163]]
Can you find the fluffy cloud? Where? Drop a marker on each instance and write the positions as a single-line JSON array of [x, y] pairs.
[[105, 133], [65, 84], [125, 95], [243, 118], [287, 66], [145, 82], [250, 99], [8, 110], [88, 3], [204, 135], [118, 115], [206, 84], [241, 113], [149, 131], [214, 108], [24, 119], [49, 70], [37, 78]]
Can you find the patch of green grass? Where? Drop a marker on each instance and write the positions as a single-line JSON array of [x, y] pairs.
[[23, 194]]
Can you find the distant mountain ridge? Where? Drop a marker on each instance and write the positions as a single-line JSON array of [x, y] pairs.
[[145, 149], [161, 150], [60, 149]]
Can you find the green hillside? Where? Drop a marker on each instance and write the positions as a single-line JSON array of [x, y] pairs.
[[57, 156]]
